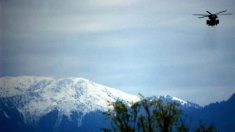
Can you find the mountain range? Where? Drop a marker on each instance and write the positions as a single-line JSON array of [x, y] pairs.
[[30, 103]]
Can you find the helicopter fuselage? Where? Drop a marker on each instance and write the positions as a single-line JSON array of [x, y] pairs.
[[212, 20]]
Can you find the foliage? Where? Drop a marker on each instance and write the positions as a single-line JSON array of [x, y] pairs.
[[145, 116], [148, 116], [203, 128]]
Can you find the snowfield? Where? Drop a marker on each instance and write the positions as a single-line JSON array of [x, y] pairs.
[[35, 97]]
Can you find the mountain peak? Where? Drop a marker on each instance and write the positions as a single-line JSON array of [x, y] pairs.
[[39, 95], [169, 98]]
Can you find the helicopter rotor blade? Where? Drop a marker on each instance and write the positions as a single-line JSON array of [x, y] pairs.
[[226, 14], [220, 12], [200, 14], [209, 12]]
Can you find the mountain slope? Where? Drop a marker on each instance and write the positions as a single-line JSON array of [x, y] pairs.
[[219, 114], [183, 104], [48, 104], [35, 97]]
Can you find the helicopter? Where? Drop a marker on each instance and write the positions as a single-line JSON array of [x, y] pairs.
[[212, 18]]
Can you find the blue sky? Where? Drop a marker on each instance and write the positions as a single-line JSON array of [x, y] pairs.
[[153, 47]]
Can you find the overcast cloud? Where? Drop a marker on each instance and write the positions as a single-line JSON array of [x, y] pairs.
[[149, 46]]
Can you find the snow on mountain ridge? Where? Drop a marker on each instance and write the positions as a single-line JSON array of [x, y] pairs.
[[169, 98], [12, 86], [42, 95], [37, 96]]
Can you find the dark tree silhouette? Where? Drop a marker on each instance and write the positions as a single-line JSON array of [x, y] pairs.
[[148, 115], [145, 116], [203, 128]]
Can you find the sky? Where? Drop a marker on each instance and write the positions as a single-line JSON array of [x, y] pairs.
[[153, 47]]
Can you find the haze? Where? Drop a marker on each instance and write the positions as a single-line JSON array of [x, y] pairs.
[[152, 47]]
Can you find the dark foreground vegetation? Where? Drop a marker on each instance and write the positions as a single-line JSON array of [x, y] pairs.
[[149, 116]]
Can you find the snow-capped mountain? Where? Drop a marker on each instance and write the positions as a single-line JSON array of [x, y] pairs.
[[36, 96], [33, 103], [183, 104]]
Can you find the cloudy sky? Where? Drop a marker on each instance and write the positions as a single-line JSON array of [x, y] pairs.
[[153, 47]]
